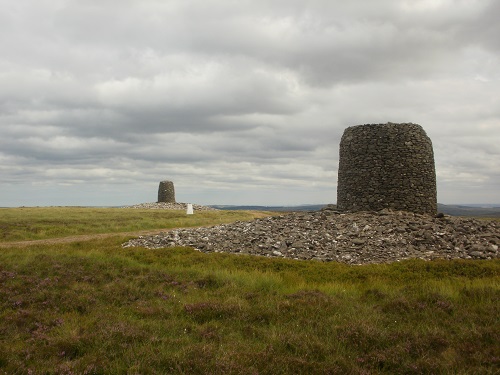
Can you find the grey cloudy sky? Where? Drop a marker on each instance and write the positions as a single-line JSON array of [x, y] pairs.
[[238, 102]]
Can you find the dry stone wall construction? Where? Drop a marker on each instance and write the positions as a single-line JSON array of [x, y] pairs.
[[166, 192], [386, 166]]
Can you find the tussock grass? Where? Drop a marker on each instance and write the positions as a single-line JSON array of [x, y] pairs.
[[35, 223], [93, 307]]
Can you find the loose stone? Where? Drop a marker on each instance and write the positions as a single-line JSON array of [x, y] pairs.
[[333, 237]]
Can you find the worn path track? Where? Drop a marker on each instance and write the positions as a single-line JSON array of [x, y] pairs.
[[82, 237], [89, 237]]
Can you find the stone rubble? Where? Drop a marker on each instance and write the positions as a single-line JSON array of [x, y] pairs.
[[352, 238], [169, 206]]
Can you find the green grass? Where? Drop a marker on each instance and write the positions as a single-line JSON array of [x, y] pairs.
[[93, 307], [37, 223]]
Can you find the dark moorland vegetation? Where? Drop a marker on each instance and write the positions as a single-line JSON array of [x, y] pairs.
[[92, 307]]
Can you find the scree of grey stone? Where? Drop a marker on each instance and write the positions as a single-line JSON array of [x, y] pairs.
[[166, 192], [386, 166]]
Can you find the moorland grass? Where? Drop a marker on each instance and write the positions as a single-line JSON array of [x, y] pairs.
[[35, 223], [94, 307]]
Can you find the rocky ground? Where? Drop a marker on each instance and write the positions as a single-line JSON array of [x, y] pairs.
[[169, 206], [354, 238]]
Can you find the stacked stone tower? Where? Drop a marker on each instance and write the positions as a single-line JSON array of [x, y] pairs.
[[166, 192], [386, 166]]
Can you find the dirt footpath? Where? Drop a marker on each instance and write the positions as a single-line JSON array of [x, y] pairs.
[[83, 237]]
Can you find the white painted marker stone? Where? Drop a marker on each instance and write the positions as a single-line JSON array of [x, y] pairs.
[[189, 209]]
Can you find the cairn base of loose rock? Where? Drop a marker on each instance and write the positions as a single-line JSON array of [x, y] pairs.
[[353, 238]]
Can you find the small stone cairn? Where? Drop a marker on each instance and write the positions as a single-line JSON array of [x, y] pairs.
[[166, 192], [166, 201]]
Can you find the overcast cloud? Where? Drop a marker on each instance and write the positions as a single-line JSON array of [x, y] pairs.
[[238, 102]]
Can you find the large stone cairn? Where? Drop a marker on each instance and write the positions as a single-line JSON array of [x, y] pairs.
[[386, 166], [166, 192]]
